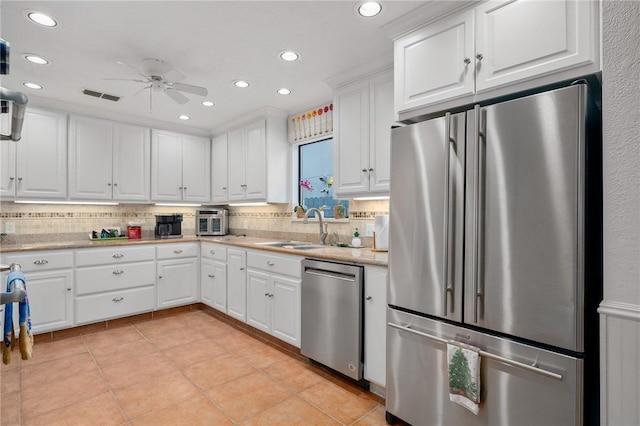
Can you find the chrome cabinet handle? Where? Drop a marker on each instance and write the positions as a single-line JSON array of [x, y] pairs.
[[118, 256], [211, 276], [242, 269], [19, 178], [368, 297], [109, 184], [364, 170], [212, 251], [370, 169], [115, 184], [118, 272], [68, 288], [118, 299], [270, 263], [531, 368], [266, 294], [41, 262], [177, 251], [243, 186], [224, 188], [160, 276], [467, 61], [479, 56], [12, 178]]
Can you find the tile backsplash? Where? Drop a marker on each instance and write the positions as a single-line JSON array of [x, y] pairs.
[[51, 222]]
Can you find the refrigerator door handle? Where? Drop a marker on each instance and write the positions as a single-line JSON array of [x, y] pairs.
[[445, 244], [489, 355], [478, 199]]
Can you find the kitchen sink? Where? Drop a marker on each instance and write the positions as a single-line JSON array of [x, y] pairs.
[[296, 245]]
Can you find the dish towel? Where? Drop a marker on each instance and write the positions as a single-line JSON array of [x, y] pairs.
[[464, 375], [26, 337]]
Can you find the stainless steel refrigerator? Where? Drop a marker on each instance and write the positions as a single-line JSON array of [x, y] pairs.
[[495, 241]]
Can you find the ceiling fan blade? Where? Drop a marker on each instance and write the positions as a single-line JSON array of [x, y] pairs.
[[133, 68], [190, 88], [176, 96], [144, 88], [173, 75]]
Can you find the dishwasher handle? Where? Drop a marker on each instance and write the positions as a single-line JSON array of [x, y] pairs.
[[330, 274]]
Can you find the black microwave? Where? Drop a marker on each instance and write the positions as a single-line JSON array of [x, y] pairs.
[[212, 222]]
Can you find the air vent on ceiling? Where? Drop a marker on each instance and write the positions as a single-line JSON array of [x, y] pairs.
[[101, 95]]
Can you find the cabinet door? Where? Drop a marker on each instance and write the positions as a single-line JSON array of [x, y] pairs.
[[237, 165], [220, 286], [351, 144], [50, 299], [207, 275], [90, 158], [131, 162], [256, 152], [375, 324], [177, 282], [521, 39], [41, 157], [259, 300], [219, 192], [382, 118], [166, 166], [286, 302], [196, 169], [435, 63], [7, 169], [237, 284]]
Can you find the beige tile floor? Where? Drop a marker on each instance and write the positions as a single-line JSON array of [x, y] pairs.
[[186, 369]]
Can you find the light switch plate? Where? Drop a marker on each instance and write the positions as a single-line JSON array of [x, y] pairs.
[[369, 230], [10, 227]]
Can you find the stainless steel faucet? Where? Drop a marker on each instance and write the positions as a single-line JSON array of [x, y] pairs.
[[323, 226]]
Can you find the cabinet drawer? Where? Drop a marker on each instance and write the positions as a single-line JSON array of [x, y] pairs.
[[276, 264], [114, 304], [114, 277], [114, 255], [175, 251], [213, 251], [41, 261]]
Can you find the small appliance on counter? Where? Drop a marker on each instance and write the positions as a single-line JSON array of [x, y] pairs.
[[169, 226], [212, 222]]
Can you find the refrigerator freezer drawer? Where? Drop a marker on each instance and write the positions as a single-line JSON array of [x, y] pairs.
[[511, 394]]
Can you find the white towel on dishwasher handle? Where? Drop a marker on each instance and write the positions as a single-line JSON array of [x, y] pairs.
[[464, 375]]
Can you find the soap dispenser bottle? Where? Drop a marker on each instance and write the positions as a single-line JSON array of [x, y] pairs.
[[355, 242]]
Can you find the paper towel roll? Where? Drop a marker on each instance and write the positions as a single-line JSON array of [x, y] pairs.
[[381, 229]]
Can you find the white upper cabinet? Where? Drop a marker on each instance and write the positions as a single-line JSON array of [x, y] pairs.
[[108, 160], [435, 62], [362, 139], [219, 179], [497, 48], [258, 166], [180, 167], [36, 166]]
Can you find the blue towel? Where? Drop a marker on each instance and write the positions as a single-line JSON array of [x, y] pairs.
[[24, 311]]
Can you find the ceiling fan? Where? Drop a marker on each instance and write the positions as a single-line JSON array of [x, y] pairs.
[[161, 77]]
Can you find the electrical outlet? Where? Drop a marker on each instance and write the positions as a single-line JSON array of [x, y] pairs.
[[369, 230], [10, 227]]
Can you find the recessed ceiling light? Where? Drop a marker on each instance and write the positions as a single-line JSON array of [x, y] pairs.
[[42, 19], [208, 103], [289, 56], [35, 59], [32, 85], [284, 91], [241, 83], [369, 9], [184, 117]]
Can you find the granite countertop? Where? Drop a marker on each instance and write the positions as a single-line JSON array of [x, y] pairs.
[[363, 255]]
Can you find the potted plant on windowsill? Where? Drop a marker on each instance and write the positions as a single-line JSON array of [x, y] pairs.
[[339, 211], [299, 211]]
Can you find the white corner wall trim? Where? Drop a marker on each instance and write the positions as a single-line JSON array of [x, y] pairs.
[[620, 310]]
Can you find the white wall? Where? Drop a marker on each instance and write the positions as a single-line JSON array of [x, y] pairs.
[[620, 310]]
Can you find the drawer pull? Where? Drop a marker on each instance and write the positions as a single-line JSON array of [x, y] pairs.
[[118, 256], [270, 263], [212, 251], [368, 297], [41, 262], [118, 299], [211, 276], [118, 272], [68, 288], [178, 251], [266, 294], [242, 269]]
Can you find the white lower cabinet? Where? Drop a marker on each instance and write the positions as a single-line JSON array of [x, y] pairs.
[[213, 276], [237, 284], [114, 282], [375, 324], [177, 269], [273, 295], [49, 280]]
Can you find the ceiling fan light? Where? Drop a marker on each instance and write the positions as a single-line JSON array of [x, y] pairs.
[[289, 56], [184, 117], [207, 103], [42, 19], [241, 83], [39, 60], [31, 85], [369, 9]]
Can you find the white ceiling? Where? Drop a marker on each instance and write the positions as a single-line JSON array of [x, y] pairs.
[[211, 42]]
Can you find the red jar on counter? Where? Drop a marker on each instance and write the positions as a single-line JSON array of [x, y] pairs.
[[134, 232]]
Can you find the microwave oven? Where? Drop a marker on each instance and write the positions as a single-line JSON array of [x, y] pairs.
[[212, 222]]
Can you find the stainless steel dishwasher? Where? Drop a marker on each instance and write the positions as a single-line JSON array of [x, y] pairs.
[[332, 315]]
